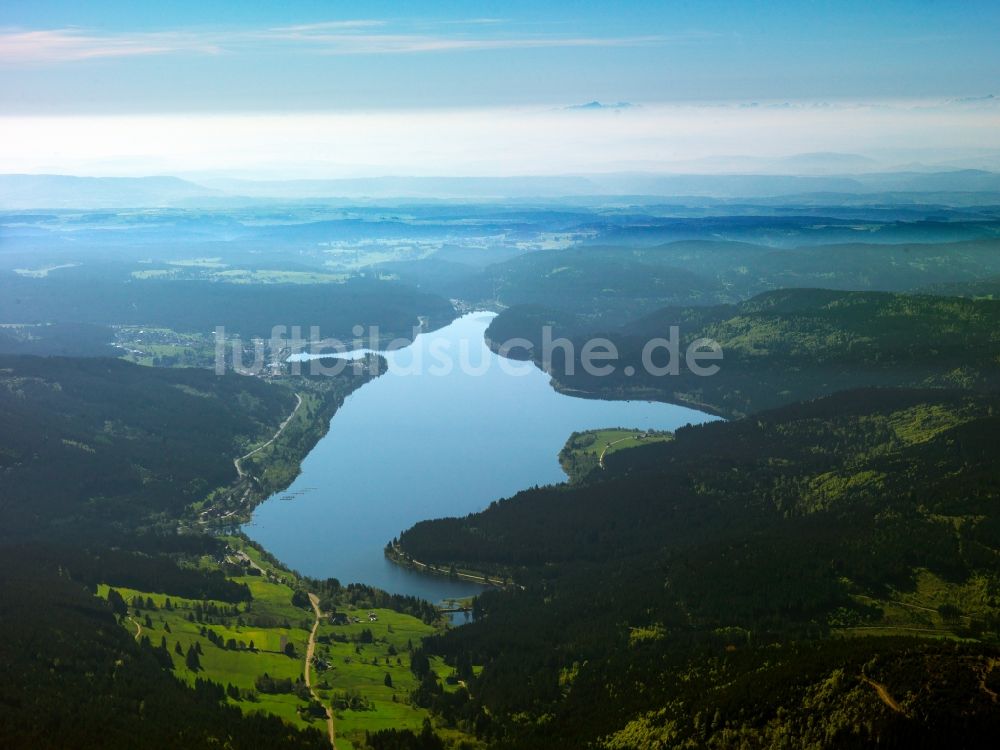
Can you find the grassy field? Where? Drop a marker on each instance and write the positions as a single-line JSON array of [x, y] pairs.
[[267, 622], [162, 347], [584, 451], [352, 671], [351, 661], [933, 608], [219, 272]]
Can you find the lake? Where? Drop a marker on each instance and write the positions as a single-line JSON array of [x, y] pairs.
[[418, 443]]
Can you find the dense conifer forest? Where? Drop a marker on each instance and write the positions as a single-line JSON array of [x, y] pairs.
[[101, 460], [730, 585], [777, 347]]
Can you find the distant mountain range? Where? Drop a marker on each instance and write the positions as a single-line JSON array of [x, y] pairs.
[[598, 105], [20, 191]]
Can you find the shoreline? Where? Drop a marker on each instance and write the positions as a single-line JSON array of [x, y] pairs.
[[637, 394], [397, 556]]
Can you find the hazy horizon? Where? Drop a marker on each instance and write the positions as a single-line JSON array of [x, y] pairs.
[[479, 88], [737, 138]]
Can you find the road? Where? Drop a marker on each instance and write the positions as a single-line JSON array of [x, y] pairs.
[[310, 650], [400, 559], [281, 428]]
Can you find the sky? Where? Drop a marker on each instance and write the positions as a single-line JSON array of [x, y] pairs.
[[337, 89]]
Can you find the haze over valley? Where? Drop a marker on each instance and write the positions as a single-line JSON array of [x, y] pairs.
[[478, 376]]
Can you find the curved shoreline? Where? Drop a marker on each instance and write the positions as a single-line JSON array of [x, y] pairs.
[[620, 394], [395, 554], [470, 328]]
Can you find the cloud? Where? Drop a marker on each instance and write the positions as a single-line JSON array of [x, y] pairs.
[[359, 23], [348, 37], [70, 45], [476, 21], [415, 43], [499, 141]]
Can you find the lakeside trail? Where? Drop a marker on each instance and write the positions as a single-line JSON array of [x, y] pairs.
[[310, 650], [281, 428], [398, 558]]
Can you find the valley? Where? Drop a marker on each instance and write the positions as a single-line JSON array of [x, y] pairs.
[[444, 547]]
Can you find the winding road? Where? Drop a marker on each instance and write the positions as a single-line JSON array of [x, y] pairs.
[[281, 428], [310, 650]]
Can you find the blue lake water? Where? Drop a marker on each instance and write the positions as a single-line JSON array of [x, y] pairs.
[[417, 443]]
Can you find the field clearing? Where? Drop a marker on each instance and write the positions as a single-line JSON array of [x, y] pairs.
[[221, 273], [362, 669], [935, 608], [585, 451], [359, 657]]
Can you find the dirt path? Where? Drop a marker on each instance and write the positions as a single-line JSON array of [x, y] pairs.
[[600, 459], [242, 556], [138, 628], [281, 428], [310, 650], [884, 695]]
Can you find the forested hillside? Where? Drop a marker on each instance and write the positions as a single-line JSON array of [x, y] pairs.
[[199, 306], [101, 443], [74, 678], [100, 461], [779, 347], [728, 584], [607, 286]]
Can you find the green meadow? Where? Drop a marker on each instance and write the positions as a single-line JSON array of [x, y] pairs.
[[585, 451], [360, 669]]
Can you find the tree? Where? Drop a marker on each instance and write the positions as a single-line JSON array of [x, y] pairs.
[[290, 649], [420, 665], [178, 649], [949, 612], [117, 603], [388, 680], [191, 660]]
